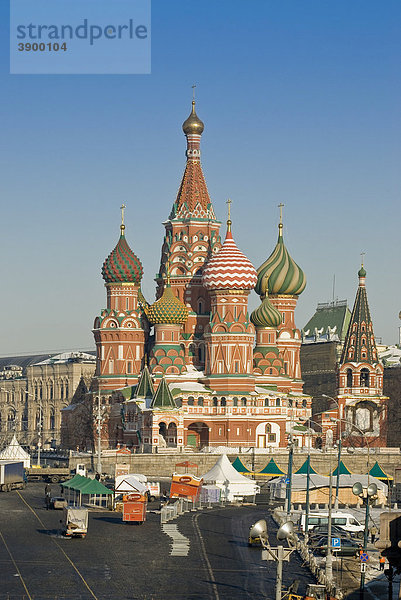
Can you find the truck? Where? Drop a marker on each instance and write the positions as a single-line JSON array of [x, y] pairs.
[[75, 521], [11, 475], [49, 474]]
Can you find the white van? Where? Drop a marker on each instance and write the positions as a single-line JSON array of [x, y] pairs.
[[344, 520]]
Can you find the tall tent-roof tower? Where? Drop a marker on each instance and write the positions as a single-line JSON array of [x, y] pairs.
[[191, 238]]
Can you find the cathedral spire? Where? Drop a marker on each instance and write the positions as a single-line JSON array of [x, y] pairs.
[[193, 198]]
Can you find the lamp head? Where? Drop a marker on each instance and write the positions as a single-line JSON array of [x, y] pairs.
[[372, 489], [259, 529], [285, 531], [357, 489]]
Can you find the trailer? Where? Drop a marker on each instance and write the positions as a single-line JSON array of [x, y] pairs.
[[75, 521], [134, 508], [48, 474], [11, 475]]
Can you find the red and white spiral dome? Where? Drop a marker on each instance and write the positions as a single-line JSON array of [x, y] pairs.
[[229, 269]]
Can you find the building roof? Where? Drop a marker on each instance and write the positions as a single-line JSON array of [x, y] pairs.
[[329, 322], [377, 471], [360, 345], [145, 388], [163, 397], [342, 468], [28, 360]]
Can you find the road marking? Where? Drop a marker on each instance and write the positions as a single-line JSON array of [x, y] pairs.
[[60, 548], [205, 558], [16, 566]]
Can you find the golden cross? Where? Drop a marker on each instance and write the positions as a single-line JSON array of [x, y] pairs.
[[122, 207], [229, 202], [362, 257], [193, 91], [281, 212]]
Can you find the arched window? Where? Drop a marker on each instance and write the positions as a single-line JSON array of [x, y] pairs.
[[190, 401], [290, 402], [52, 421], [66, 389], [11, 420], [268, 428], [266, 401], [364, 378], [24, 420], [235, 401], [40, 391], [201, 353], [51, 390], [278, 403], [223, 402], [201, 306], [243, 401], [215, 401], [200, 401], [349, 378]]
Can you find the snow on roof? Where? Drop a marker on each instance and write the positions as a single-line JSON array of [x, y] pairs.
[[65, 357]]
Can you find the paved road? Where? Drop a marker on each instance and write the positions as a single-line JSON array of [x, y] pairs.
[[117, 561]]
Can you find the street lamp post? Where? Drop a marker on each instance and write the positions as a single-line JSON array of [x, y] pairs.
[[339, 447], [289, 474], [99, 421]]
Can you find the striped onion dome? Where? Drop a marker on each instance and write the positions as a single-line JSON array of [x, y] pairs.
[[280, 274], [266, 315], [122, 265], [167, 310], [229, 268]]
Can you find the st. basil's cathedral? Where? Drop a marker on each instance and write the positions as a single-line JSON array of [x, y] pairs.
[[194, 369]]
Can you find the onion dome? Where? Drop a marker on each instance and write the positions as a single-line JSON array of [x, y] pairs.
[[167, 310], [266, 315], [122, 265], [361, 272], [280, 274], [193, 124], [229, 268]]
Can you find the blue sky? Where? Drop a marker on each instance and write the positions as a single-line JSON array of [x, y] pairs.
[[301, 104]]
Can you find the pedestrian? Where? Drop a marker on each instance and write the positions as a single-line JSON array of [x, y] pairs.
[[373, 533], [382, 562], [48, 493], [360, 548]]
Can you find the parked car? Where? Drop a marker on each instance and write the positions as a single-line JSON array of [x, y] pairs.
[[348, 547], [58, 502], [322, 531]]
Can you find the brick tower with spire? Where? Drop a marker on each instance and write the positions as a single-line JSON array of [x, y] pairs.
[[191, 237], [360, 376], [119, 330]]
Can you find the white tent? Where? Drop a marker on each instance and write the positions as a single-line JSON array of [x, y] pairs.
[[232, 484], [128, 484], [15, 452]]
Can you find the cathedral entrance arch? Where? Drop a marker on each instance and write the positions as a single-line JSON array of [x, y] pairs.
[[198, 435], [172, 435], [267, 435]]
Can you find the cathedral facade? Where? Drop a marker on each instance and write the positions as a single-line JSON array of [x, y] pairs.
[[194, 368]]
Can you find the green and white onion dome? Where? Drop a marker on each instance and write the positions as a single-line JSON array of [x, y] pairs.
[[280, 274], [266, 315]]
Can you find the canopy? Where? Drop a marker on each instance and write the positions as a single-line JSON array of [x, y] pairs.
[[377, 471], [126, 484], [278, 486], [86, 485], [93, 487], [72, 482], [343, 470], [232, 484], [304, 469], [239, 465], [187, 465], [271, 469], [14, 451]]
